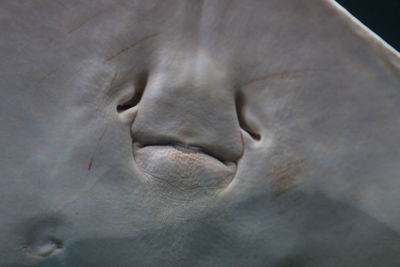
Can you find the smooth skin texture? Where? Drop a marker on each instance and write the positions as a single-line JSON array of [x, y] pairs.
[[196, 133]]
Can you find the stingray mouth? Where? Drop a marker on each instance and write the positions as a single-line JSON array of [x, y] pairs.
[[184, 167]]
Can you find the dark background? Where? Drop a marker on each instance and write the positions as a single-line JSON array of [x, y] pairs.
[[381, 16]]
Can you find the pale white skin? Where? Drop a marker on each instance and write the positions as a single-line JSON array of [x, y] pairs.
[[302, 172]]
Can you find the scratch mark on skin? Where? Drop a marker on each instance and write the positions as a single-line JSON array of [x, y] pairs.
[[280, 75], [293, 166], [95, 150], [88, 185], [123, 50], [45, 77], [82, 23], [113, 79], [286, 175], [283, 191], [90, 163]]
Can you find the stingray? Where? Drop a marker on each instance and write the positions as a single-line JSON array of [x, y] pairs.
[[197, 133]]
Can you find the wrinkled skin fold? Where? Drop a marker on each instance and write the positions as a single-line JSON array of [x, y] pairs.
[[196, 133]]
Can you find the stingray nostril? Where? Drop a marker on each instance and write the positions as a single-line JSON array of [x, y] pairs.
[[139, 85], [250, 129]]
